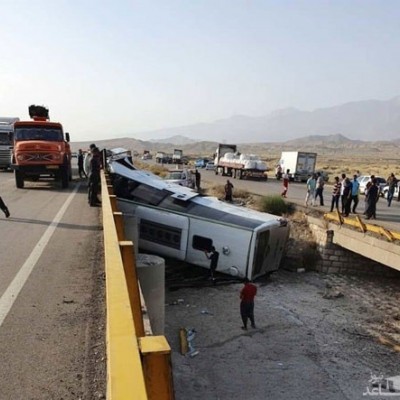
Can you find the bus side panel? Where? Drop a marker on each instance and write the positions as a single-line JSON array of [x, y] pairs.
[[231, 243], [155, 231]]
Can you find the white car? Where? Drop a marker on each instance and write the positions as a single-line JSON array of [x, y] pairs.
[[210, 166], [386, 190], [182, 177], [363, 180]]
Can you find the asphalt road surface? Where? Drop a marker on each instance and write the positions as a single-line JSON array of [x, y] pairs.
[[51, 261]]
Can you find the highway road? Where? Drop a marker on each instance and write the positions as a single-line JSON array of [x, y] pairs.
[[50, 289], [388, 217]]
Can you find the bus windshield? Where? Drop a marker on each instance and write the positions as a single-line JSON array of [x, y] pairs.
[[39, 133]]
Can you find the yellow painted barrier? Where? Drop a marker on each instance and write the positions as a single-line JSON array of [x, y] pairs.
[[357, 223], [138, 366], [125, 378]]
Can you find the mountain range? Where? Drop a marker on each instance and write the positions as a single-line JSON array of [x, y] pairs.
[[363, 120]]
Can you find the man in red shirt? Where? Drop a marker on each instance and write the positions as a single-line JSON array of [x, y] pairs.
[[247, 295]]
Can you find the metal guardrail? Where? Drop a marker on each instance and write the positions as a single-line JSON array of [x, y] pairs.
[[363, 227], [138, 366]]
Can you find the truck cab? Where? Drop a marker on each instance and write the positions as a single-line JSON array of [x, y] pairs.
[[177, 156], [41, 149], [6, 141]]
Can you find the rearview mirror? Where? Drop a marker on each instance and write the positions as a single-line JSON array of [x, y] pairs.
[[67, 136]]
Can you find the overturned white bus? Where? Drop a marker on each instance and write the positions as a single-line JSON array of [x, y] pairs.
[[175, 221]]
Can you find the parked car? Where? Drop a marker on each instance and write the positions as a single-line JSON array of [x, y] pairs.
[[385, 191], [364, 179], [182, 177], [201, 163], [210, 166]]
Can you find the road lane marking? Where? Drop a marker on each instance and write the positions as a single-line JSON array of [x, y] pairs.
[[10, 295]]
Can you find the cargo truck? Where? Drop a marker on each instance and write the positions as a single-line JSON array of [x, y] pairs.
[[41, 149], [300, 163], [6, 141], [239, 166], [177, 156]]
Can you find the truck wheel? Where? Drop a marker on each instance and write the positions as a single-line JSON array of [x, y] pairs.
[[19, 179], [64, 177]]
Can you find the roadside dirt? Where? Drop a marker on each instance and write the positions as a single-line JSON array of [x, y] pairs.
[[318, 336]]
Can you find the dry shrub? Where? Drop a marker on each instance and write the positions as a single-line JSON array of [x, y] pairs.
[[219, 192], [156, 169], [274, 205], [216, 191], [241, 193]]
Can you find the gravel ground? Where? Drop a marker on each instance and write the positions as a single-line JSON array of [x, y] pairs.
[[318, 336]]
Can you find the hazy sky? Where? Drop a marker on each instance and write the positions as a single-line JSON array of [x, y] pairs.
[[112, 68]]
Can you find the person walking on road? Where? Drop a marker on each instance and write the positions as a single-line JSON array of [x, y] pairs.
[[247, 295], [311, 185], [228, 191], [4, 208], [319, 191], [81, 170], [285, 183]]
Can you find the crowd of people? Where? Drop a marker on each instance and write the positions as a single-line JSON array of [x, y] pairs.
[[345, 193]]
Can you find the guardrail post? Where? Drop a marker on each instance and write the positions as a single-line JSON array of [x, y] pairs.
[[157, 369], [128, 260], [113, 201], [110, 189], [119, 224]]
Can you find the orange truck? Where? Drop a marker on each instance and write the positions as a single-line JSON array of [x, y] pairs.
[[41, 149]]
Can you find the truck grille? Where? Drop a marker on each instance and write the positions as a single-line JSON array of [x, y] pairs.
[[5, 156], [38, 157]]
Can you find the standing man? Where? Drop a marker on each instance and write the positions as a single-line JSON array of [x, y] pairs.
[[392, 183], [94, 178], [342, 196], [311, 185], [372, 197], [335, 194], [355, 189], [213, 255], [347, 196], [198, 177], [228, 191], [81, 171], [320, 189], [247, 295], [285, 183]]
